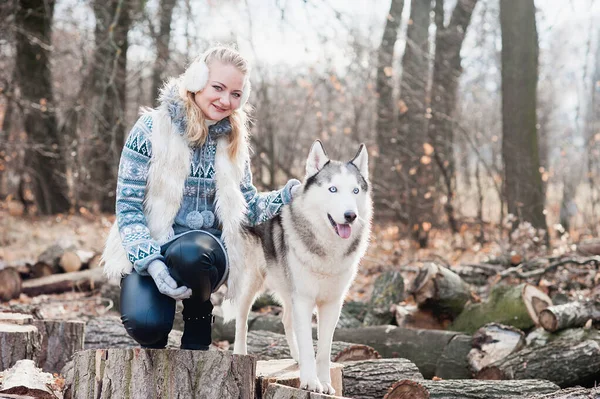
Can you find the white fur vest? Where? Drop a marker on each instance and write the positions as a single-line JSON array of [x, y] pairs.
[[169, 168]]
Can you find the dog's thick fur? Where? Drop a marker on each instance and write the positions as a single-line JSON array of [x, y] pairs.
[[308, 256]]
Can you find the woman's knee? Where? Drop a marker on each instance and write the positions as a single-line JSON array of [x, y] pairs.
[[149, 330]]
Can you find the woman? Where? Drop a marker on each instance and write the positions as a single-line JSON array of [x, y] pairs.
[[184, 191]]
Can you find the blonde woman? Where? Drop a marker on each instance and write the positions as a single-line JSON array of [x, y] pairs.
[[184, 192]]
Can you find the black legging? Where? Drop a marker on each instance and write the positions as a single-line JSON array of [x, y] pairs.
[[196, 260]]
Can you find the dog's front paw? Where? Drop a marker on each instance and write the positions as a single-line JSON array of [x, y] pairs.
[[327, 388], [311, 384]]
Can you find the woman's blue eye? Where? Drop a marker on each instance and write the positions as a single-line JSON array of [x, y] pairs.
[[356, 191], [333, 189], [218, 88], [236, 95]]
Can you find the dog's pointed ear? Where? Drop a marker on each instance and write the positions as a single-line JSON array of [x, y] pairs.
[[317, 158], [361, 160]]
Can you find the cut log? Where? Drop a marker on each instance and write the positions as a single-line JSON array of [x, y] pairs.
[[347, 320], [70, 262], [278, 391], [94, 261], [10, 284], [372, 378], [42, 269], [441, 290], [24, 378], [560, 361], [51, 255], [59, 341], [16, 318], [492, 343], [77, 281], [468, 389], [118, 373], [410, 316], [422, 347], [18, 342], [286, 372], [589, 247], [256, 322], [572, 314], [516, 306], [453, 362], [570, 393], [357, 309], [388, 290]]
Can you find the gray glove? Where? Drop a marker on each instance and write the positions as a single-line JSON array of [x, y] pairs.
[[165, 283]]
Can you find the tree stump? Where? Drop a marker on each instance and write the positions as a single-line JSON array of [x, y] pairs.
[[118, 373], [494, 342], [18, 342], [16, 318], [388, 290], [372, 378], [516, 306], [10, 284], [572, 314], [24, 379], [560, 361], [441, 290], [59, 341], [468, 389], [278, 391], [286, 372]]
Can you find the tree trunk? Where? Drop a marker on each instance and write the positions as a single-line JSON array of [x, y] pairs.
[[446, 73], [416, 172], [469, 389], [372, 378], [44, 158], [560, 361], [278, 391], [59, 341], [162, 45], [572, 314], [18, 342], [387, 191], [520, 151], [116, 373]]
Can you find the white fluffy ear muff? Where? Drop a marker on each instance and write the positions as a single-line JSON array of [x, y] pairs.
[[317, 158], [196, 76], [245, 92]]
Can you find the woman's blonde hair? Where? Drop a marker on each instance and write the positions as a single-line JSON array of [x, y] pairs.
[[196, 130]]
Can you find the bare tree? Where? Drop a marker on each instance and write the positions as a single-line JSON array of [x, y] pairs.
[[386, 192], [520, 150], [446, 73], [162, 44], [44, 159]]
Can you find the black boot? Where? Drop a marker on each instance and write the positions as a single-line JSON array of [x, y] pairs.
[[198, 319]]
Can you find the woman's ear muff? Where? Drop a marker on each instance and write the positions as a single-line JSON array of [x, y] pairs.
[[196, 76]]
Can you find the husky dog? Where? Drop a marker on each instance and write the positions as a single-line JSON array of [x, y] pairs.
[[308, 256]]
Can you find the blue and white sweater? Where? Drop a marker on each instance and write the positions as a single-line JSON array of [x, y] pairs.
[[199, 189]]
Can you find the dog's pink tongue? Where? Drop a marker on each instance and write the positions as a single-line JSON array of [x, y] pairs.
[[344, 230]]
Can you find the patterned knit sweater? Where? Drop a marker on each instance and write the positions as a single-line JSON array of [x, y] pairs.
[[199, 189]]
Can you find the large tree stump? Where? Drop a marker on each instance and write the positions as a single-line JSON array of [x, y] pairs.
[[388, 290], [18, 342], [423, 347], [493, 342], [468, 389], [10, 284], [560, 361], [441, 290], [286, 372], [24, 379], [372, 378], [516, 306], [573, 314], [278, 391], [59, 341], [122, 373]]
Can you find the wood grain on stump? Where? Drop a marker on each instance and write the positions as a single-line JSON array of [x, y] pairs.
[[18, 342]]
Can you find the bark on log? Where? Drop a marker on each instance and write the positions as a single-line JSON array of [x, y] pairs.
[[286, 372], [494, 342], [516, 306], [423, 347], [453, 363], [24, 378], [410, 316], [10, 284], [468, 389], [256, 322], [573, 314], [278, 391], [573, 336], [77, 281], [441, 290], [16, 318], [59, 341], [117, 373], [560, 361], [266, 345], [42, 269], [372, 378], [388, 290], [589, 247], [70, 262], [18, 342], [571, 393]]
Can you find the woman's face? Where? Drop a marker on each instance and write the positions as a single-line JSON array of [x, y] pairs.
[[222, 93]]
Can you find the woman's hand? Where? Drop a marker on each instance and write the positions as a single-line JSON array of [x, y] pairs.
[[165, 283]]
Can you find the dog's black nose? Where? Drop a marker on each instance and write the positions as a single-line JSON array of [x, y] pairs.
[[349, 216]]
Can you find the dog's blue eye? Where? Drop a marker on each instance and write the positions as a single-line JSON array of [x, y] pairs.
[[355, 191], [333, 189]]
